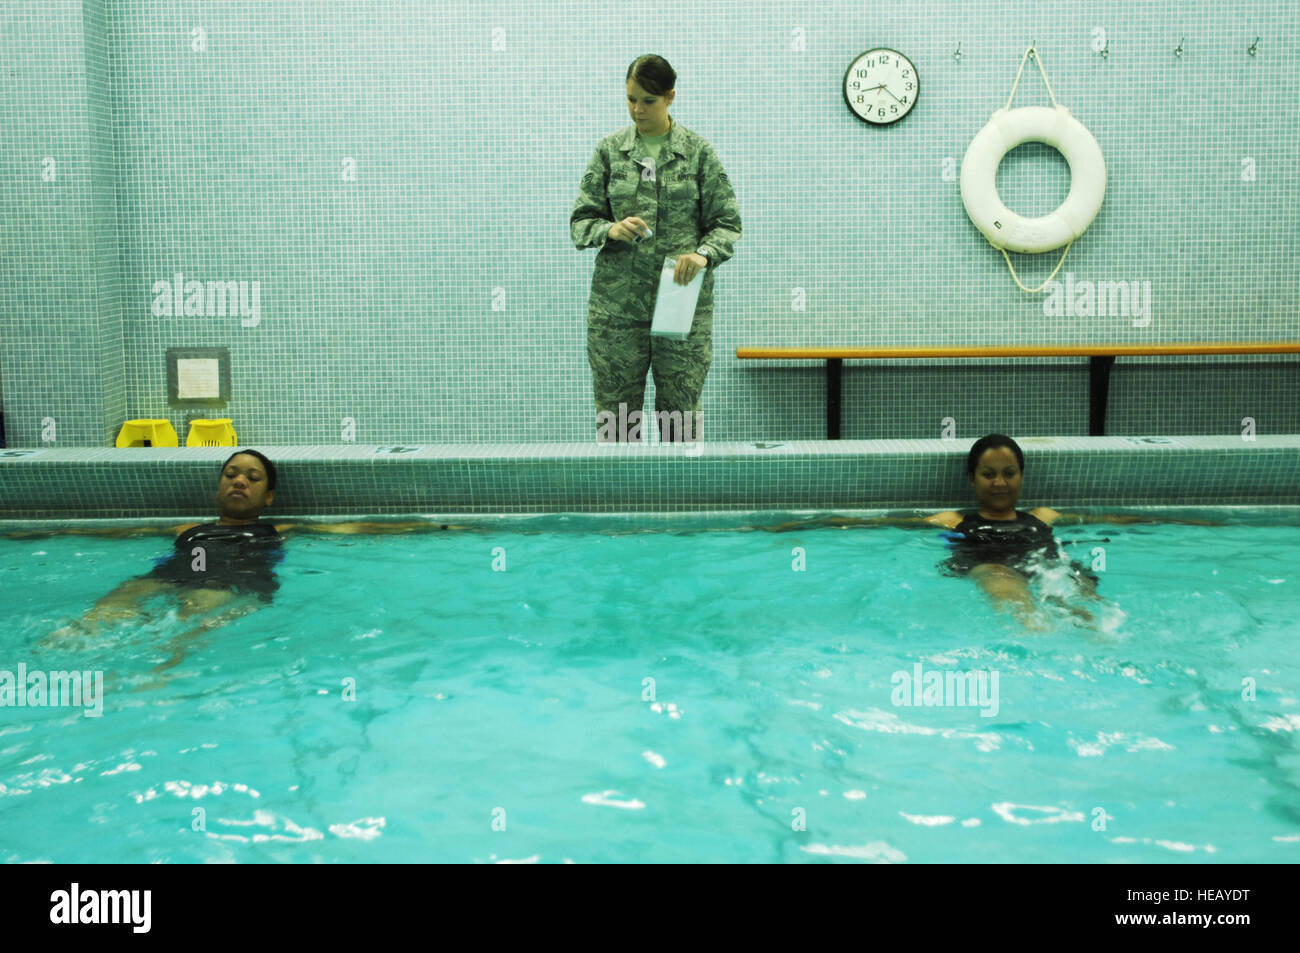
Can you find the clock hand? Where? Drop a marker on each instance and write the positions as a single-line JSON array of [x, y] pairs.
[[886, 89]]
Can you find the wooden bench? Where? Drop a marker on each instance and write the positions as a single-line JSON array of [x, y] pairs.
[[1101, 357]]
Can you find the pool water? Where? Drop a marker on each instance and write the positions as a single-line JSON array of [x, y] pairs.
[[689, 696]]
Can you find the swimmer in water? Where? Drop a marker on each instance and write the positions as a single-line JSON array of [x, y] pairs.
[[219, 571], [999, 546]]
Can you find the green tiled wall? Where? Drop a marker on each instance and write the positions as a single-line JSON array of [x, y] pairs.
[[449, 479], [435, 295]]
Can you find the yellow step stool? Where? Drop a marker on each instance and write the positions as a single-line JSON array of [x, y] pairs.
[[147, 433], [211, 433]]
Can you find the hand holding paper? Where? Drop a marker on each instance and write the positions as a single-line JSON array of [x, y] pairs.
[[675, 305]]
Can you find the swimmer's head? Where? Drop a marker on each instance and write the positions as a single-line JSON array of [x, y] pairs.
[[995, 467], [246, 486]]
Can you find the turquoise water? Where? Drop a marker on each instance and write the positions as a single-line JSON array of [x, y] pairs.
[[664, 696]]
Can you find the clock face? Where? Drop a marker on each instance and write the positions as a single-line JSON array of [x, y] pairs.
[[881, 86]]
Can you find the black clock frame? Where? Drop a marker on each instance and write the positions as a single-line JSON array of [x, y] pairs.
[[844, 86]]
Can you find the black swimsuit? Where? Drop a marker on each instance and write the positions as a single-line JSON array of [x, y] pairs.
[[240, 558], [1019, 543]]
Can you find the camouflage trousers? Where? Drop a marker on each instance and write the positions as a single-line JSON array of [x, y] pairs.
[[620, 352]]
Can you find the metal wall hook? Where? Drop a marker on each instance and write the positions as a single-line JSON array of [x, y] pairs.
[[1179, 51], [1104, 52], [957, 53], [1251, 49]]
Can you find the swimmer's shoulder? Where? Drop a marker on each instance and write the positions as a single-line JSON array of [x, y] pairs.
[[949, 519], [1046, 514]]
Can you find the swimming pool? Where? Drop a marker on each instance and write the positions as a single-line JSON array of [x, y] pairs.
[[621, 695]]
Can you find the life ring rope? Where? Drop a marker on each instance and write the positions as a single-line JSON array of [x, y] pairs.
[[1031, 291], [1031, 52]]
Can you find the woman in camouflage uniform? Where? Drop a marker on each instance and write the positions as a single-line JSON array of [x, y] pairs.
[[651, 190]]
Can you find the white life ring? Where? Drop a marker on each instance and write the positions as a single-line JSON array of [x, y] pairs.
[[979, 168]]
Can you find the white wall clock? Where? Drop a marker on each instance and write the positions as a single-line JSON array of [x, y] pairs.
[[881, 86]]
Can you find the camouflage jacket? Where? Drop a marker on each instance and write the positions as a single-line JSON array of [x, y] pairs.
[[689, 205]]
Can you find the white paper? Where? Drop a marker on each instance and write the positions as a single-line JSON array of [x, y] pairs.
[[675, 306]]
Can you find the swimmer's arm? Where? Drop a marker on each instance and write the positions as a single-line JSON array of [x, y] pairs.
[[109, 531], [405, 526], [1051, 516], [845, 521], [948, 519]]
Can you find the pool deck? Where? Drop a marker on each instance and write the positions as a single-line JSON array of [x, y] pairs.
[[351, 479]]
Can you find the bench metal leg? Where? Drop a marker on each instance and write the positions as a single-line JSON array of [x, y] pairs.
[[833, 365], [1099, 366]]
